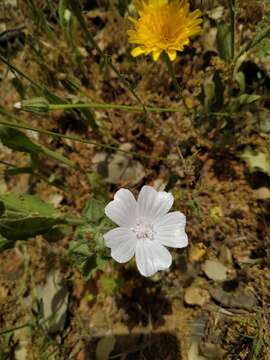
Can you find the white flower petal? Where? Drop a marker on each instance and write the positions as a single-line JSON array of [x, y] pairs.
[[123, 209], [122, 242], [153, 204], [151, 257], [170, 230]]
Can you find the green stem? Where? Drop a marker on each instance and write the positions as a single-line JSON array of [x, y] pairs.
[[30, 170], [60, 158], [16, 70], [74, 221], [175, 81], [112, 107], [107, 59], [253, 42], [75, 138], [14, 329], [233, 26]]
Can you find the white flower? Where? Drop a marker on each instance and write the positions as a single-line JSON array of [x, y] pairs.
[[145, 228]]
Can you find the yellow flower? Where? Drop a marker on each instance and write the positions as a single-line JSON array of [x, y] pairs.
[[163, 25]]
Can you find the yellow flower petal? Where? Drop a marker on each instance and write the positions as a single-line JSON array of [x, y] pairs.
[[137, 51], [156, 55], [163, 25], [157, 3], [171, 54]]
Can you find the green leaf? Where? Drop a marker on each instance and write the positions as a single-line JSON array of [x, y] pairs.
[[256, 40], [26, 216], [264, 117], [23, 229], [247, 99], [62, 7], [82, 255], [27, 205], [109, 284], [98, 184], [239, 77], [57, 233], [224, 41], [17, 140], [94, 210], [256, 161], [243, 100]]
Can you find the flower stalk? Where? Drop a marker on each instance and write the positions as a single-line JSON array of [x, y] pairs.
[[233, 26], [42, 106], [106, 58], [177, 86]]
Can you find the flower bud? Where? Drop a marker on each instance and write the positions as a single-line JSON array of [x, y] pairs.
[[38, 105]]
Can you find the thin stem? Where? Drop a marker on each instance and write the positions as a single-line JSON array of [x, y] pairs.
[[107, 59], [16, 70], [30, 170], [60, 158], [175, 81], [113, 106], [75, 138], [233, 26], [253, 42], [7, 164], [15, 328]]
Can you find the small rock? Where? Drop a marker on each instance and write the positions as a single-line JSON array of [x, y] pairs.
[[239, 299], [196, 296], [262, 193], [119, 167], [104, 347], [214, 270], [55, 199], [54, 294], [225, 255], [212, 351], [21, 350], [193, 353], [216, 13], [3, 292]]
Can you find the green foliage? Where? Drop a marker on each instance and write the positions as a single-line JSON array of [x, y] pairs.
[[109, 283], [264, 121], [224, 41], [122, 6], [23, 217], [37, 106], [87, 251], [256, 161], [243, 100], [263, 48], [27, 205], [94, 211], [98, 185], [40, 18], [18, 141], [260, 36]]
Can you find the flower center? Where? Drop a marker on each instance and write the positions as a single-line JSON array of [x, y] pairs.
[[143, 231]]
